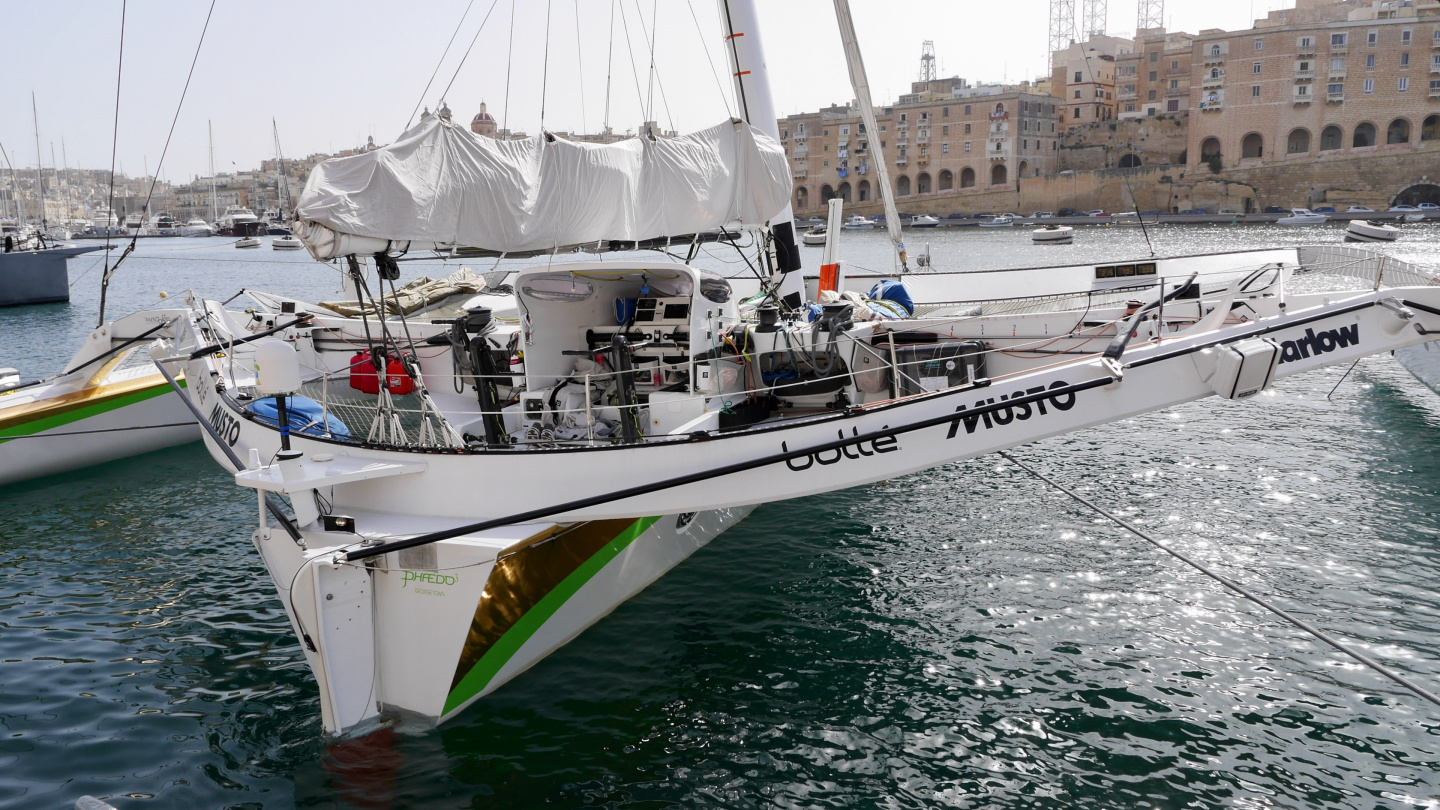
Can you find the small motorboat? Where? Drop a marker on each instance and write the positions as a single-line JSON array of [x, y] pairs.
[[924, 221], [248, 242], [855, 222], [1415, 217], [286, 242], [1360, 230], [1053, 235], [1002, 221], [1302, 216], [815, 237]]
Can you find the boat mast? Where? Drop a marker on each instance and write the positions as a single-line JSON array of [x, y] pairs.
[[39, 166], [861, 83], [211, 127], [757, 107], [69, 184], [282, 187]]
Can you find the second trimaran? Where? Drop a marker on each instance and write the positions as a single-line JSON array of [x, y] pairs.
[[475, 480]]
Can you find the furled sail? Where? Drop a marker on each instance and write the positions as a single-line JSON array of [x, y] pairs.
[[440, 184]]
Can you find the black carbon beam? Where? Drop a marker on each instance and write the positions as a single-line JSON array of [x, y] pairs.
[[270, 502]]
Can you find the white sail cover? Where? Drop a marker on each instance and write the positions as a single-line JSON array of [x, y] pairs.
[[439, 183]]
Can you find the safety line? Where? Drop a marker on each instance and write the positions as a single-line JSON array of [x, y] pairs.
[[1234, 586]]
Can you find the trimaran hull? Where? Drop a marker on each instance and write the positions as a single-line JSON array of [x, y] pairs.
[[428, 630]]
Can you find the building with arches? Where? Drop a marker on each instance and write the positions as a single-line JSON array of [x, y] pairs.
[[945, 137], [1327, 81]]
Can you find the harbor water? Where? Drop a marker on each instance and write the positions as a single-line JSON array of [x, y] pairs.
[[963, 637]]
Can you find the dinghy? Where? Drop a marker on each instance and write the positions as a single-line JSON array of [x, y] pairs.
[[1053, 234], [1360, 230]]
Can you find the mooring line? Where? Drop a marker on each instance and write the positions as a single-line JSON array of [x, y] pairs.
[[1234, 586]]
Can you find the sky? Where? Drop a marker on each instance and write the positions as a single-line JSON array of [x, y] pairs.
[[329, 73]]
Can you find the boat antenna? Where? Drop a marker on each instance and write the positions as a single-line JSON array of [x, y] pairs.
[[861, 83], [39, 163], [1114, 144], [580, 64], [545, 67], [435, 72], [105, 279], [114, 142]]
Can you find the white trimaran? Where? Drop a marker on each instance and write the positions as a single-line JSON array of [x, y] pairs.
[[492, 473]]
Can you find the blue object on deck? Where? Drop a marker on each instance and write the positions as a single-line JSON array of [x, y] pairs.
[[888, 290], [306, 417]]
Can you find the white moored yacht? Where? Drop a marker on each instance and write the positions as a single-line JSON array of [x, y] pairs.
[[855, 222], [497, 468]]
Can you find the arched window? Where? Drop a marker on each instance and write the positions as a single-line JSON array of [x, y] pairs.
[[998, 174], [947, 180], [922, 183], [1430, 129], [902, 186], [826, 192], [1331, 138], [1024, 164], [1253, 146], [1298, 143], [864, 188], [967, 177], [1398, 131], [1214, 50], [1210, 147], [1130, 161], [1364, 135], [844, 192], [1214, 73]]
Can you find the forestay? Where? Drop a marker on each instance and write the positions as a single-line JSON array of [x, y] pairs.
[[443, 185]]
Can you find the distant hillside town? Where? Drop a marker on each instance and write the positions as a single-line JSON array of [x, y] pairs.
[[1332, 102]]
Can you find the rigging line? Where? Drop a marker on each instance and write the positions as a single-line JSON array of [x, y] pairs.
[[580, 63], [114, 142], [609, 66], [713, 72], [630, 46], [1236, 587], [436, 72], [655, 74], [650, 41], [470, 48], [545, 67], [1114, 144], [509, 61], [154, 178]]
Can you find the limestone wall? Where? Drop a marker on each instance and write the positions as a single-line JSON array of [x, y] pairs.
[[1155, 140]]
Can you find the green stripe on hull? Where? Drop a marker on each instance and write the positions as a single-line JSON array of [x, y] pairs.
[[72, 416], [527, 625]]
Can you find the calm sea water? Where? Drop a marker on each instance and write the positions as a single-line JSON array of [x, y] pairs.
[[962, 637]]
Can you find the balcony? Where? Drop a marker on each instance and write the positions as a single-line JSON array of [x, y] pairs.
[[1337, 74], [1335, 98], [1304, 73], [901, 160], [1341, 48], [1302, 98], [799, 174], [1212, 81], [1178, 91], [1435, 67]]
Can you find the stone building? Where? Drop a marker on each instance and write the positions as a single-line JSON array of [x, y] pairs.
[[942, 139], [1325, 81], [1083, 77], [1154, 78]]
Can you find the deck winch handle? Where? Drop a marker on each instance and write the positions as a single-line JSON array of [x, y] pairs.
[[1127, 331]]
